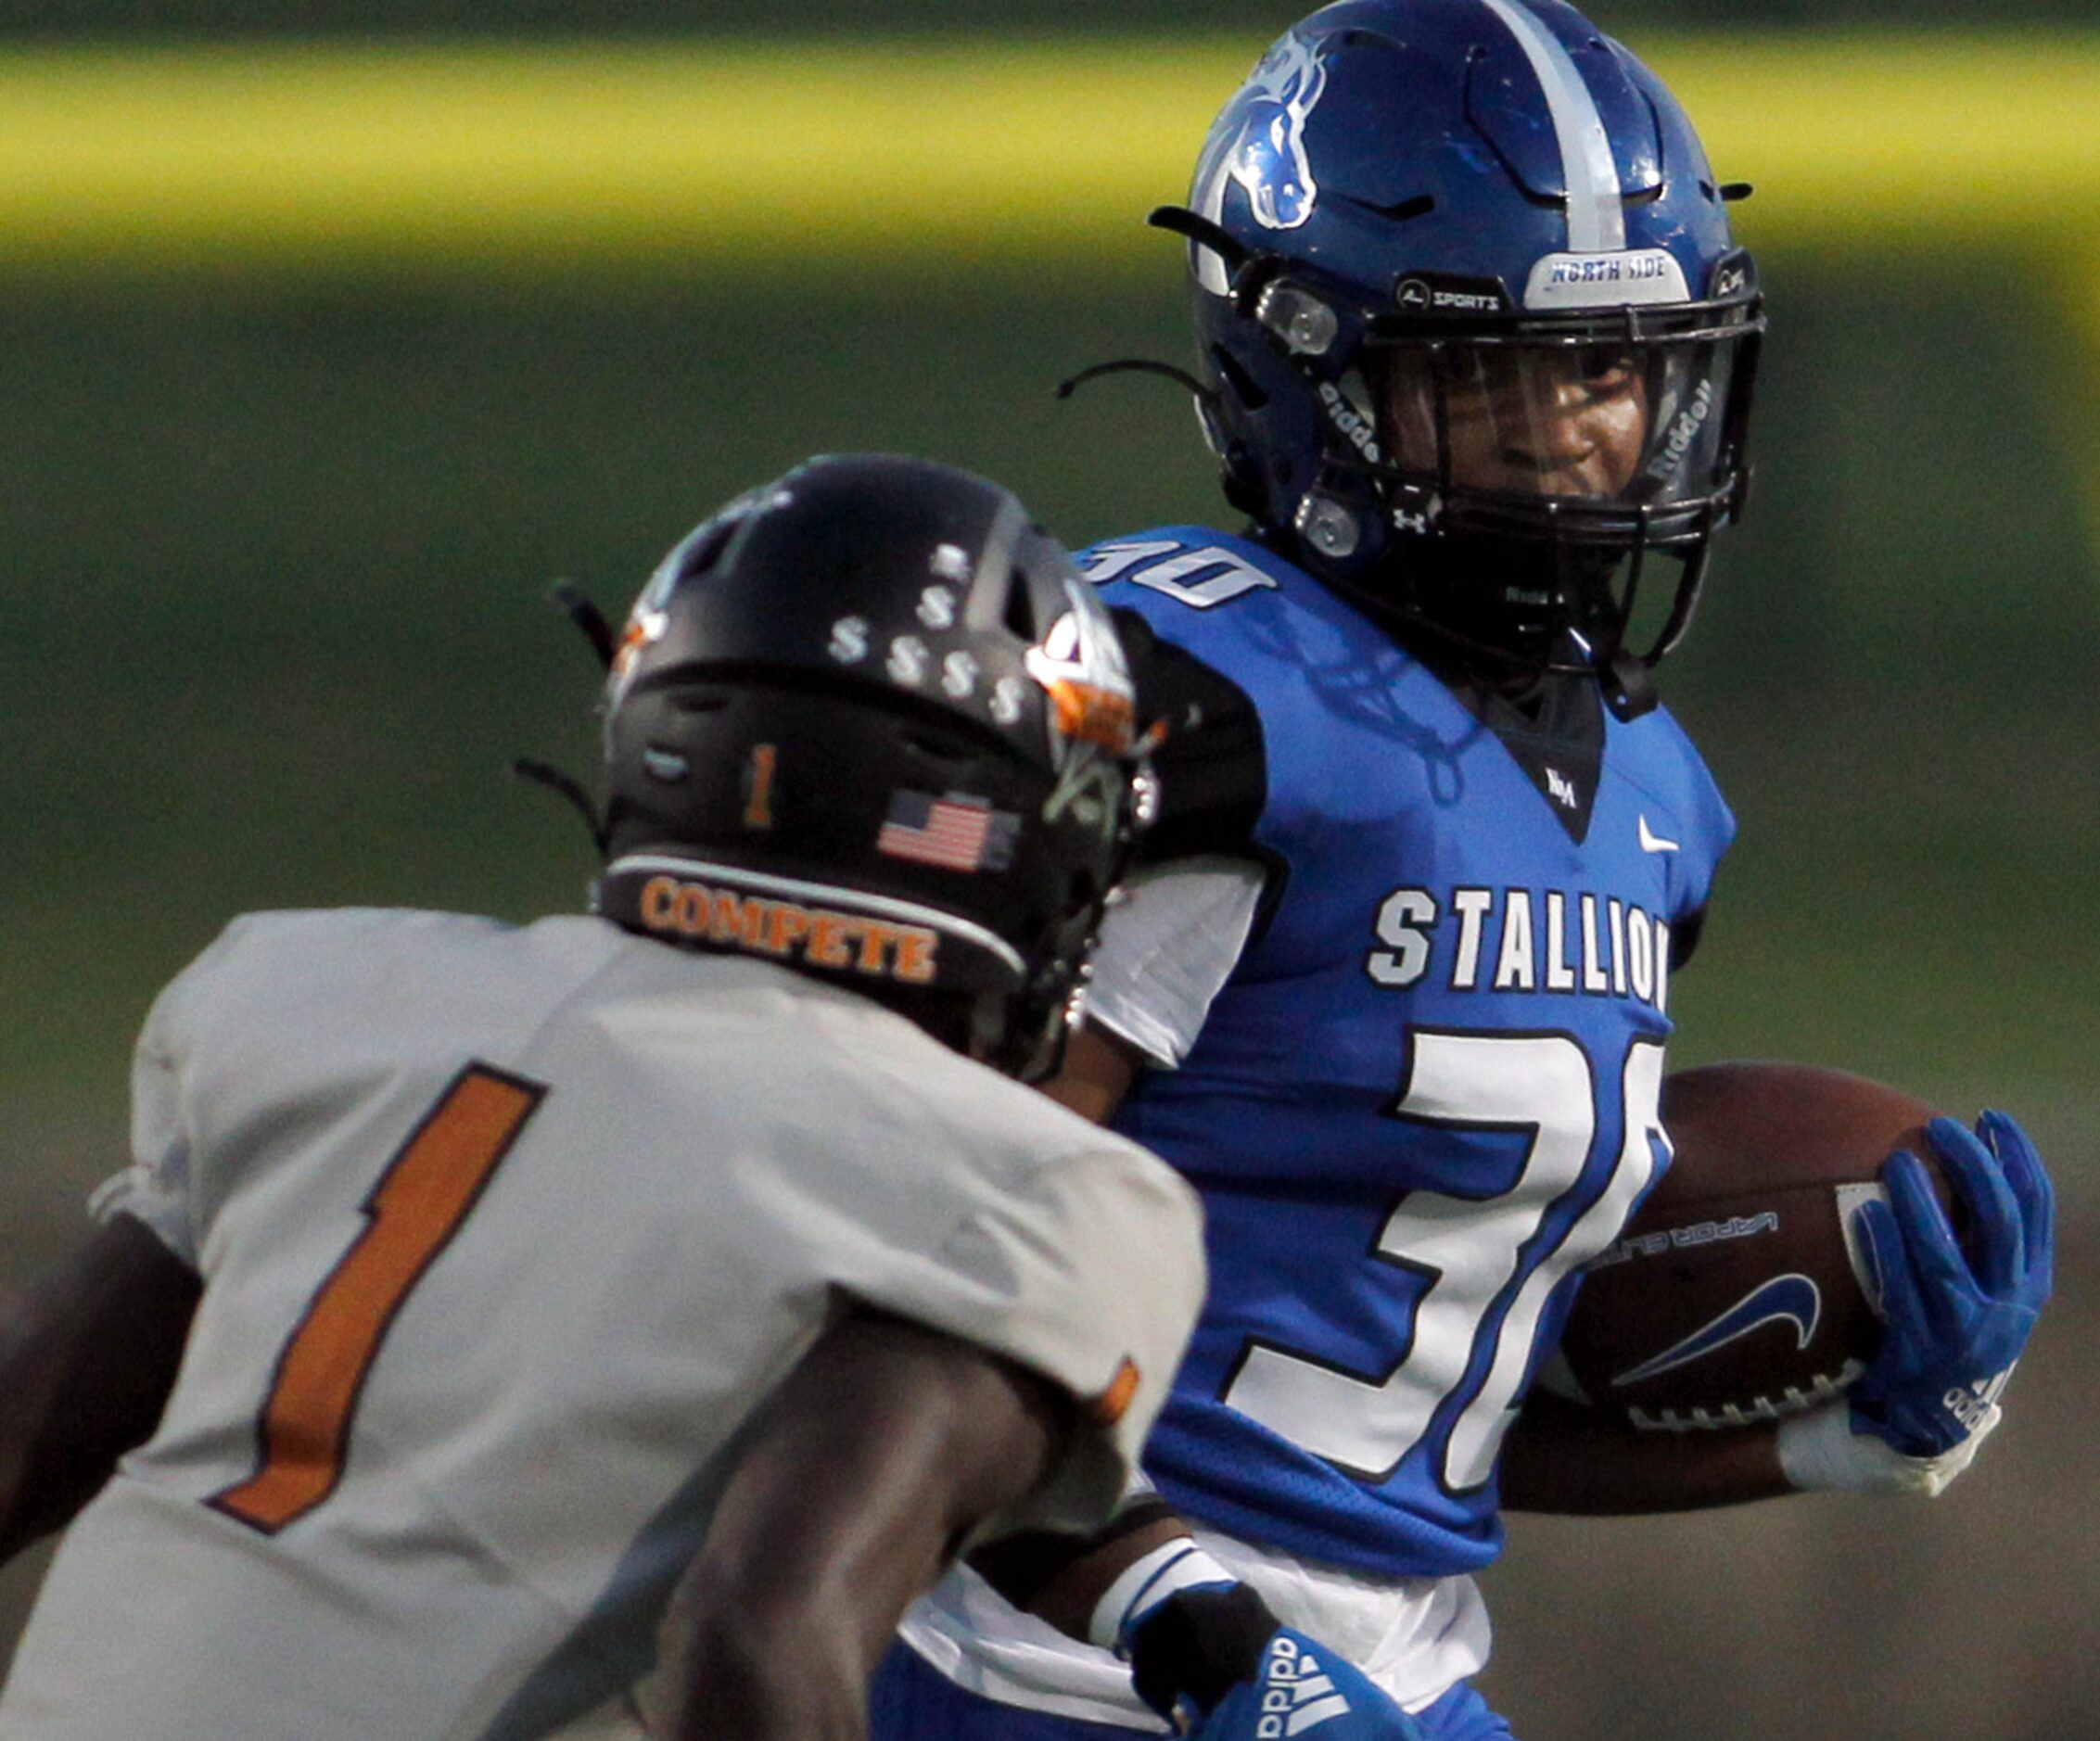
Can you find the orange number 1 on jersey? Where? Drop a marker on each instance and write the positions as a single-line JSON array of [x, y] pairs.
[[416, 1207]]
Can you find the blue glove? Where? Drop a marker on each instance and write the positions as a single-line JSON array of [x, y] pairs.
[[1305, 1689], [1212, 1659], [1953, 1325]]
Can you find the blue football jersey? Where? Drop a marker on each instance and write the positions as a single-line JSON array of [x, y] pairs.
[[1427, 1091]]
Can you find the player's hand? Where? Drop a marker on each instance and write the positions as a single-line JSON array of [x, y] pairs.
[[1954, 1323], [1300, 1683], [1214, 1662]]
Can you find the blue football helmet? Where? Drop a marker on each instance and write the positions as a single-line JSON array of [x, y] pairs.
[[1475, 343]]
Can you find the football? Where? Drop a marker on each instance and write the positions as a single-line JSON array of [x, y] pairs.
[[1736, 1292]]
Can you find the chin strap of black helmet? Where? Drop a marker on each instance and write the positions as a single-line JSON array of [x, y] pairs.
[[563, 786], [581, 610]]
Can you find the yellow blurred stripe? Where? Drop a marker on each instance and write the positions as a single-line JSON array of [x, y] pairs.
[[523, 156], [549, 157], [1859, 141]]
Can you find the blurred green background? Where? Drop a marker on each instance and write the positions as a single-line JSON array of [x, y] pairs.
[[274, 545]]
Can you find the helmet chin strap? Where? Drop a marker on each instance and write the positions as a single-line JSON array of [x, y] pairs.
[[589, 621], [567, 787]]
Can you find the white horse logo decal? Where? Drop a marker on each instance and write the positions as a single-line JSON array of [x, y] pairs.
[[1269, 160], [1259, 142]]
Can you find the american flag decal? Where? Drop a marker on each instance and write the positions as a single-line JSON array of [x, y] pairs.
[[958, 832]]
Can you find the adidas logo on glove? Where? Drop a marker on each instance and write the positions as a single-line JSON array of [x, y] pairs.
[[1975, 1405], [1297, 1695]]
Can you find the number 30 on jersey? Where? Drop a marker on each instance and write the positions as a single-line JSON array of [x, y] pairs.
[[1493, 1264]]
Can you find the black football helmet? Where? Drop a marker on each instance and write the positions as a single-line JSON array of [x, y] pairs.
[[869, 722]]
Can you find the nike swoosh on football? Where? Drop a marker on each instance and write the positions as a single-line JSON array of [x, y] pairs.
[[1652, 842], [1795, 1298]]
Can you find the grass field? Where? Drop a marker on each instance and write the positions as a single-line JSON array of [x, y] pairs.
[[273, 577]]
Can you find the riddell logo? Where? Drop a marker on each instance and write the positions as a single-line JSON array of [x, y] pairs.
[[1351, 422], [1684, 431], [1297, 1694]]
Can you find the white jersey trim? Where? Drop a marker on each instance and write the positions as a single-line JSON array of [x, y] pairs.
[[1414, 1637]]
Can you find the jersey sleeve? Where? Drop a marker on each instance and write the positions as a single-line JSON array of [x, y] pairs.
[[1088, 1271], [1209, 761], [156, 1187], [1167, 947]]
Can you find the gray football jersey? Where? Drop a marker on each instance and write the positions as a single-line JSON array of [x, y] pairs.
[[504, 1232]]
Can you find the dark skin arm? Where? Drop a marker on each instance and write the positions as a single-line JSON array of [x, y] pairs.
[[87, 1358], [1573, 1461], [857, 1481], [1098, 1071]]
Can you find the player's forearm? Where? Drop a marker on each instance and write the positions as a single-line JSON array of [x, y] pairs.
[[884, 1448], [1061, 1578], [1561, 1458], [748, 1676], [87, 1357], [1096, 1074], [779, 1646]]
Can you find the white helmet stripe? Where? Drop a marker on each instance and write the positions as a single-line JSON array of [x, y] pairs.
[[1597, 220]]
